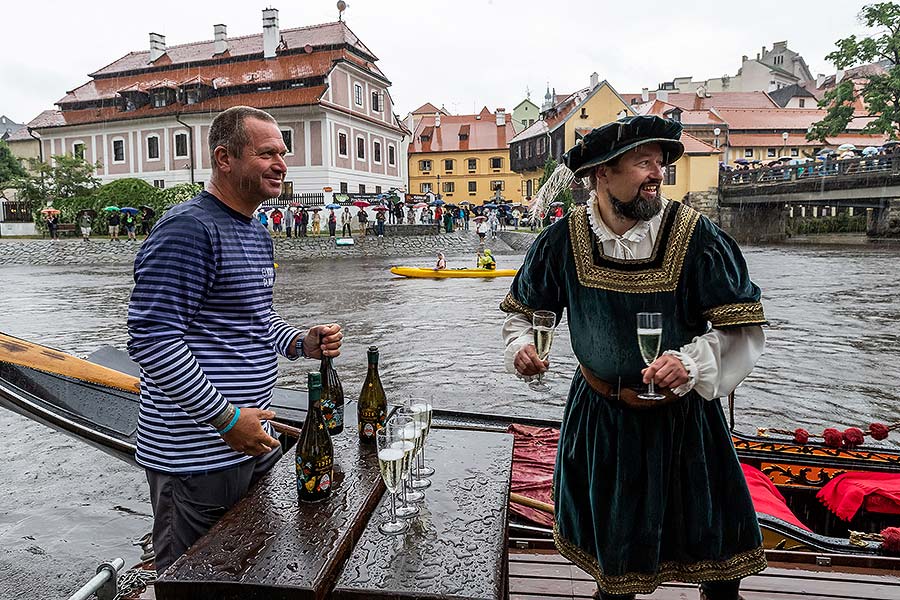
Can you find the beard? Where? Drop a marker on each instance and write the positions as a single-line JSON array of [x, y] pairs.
[[639, 208]]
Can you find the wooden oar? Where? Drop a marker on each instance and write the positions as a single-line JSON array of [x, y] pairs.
[[531, 503], [42, 358]]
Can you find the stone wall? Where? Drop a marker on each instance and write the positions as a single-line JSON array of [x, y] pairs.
[[706, 203], [885, 222], [518, 241], [754, 223]]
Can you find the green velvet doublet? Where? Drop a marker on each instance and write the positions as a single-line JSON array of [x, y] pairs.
[[645, 496]]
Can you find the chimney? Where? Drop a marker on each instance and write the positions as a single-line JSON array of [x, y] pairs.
[[221, 37], [645, 94], [271, 36], [820, 79], [501, 117], [595, 80], [157, 46], [839, 76], [743, 59], [437, 119], [662, 95]]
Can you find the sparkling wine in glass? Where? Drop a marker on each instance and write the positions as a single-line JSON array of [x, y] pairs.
[[649, 332], [543, 323], [391, 462], [402, 425], [424, 408]]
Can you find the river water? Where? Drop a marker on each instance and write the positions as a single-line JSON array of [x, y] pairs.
[[832, 358]]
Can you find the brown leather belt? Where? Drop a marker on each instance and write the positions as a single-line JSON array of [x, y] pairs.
[[626, 395]]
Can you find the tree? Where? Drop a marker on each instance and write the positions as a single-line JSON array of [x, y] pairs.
[[880, 92], [9, 165], [66, 177]]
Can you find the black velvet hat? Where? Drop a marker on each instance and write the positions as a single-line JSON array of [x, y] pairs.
[[608, 141]]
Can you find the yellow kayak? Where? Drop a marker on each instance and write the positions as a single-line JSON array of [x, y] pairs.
[[445, 273]]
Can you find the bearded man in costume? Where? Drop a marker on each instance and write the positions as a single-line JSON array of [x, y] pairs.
[[645, 491]]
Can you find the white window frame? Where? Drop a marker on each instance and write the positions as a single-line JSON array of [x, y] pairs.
[[83, 149], [469, 167], [187, 145], [147, 139], [356, 148], [290, 151], [347, 144], [500, 158], [376, 101], [422, 165], [392, 155], [359, 97], [376, 156], [771, 152], [113, 151], [748, 152]]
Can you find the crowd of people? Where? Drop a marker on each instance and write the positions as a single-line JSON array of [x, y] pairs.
[[846, 159]]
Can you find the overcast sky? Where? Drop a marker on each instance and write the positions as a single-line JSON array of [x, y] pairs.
[[463, 54]]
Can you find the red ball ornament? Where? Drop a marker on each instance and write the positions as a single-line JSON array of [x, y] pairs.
[[879, 431], [853, 437], [891, 541], [833, 437], [801, 436]]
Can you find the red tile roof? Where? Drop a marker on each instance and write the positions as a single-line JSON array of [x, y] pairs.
[[772, 140], [780, 119], [428, 109], [317, 36], [688, 117], [693, 145], [484, 134], [691, 101]]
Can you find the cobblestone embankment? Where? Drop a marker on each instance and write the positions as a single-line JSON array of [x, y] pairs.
[[18, 251]]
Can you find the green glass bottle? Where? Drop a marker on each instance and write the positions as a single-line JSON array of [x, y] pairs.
[[372, 406], [315, 453], [332, 397]]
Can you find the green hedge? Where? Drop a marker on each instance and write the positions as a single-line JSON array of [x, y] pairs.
[[842, 223]]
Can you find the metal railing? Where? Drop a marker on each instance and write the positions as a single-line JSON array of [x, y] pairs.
[[104, 583], [865, 169]]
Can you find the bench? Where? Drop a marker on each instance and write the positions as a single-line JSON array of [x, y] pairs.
[[61, 229]]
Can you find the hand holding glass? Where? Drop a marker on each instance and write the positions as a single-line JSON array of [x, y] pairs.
[[649, 332], [543, 323]]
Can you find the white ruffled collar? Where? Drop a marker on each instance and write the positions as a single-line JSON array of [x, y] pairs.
[[635, 235]]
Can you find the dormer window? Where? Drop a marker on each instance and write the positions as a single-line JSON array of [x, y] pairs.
[[192, 96], [425, 138]]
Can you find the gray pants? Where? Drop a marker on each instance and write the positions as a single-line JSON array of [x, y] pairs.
[[185, 507]]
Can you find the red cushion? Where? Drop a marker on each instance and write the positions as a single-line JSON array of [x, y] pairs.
[[845, 494], [766, 497]]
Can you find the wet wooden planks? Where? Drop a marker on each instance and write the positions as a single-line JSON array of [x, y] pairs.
[[549, 576]]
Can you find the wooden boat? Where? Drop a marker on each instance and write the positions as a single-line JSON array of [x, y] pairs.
[[420, 273], [96, 401]]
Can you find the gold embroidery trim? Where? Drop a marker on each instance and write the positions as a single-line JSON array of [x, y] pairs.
[[729, 315], [662, 279], [738, 566], [511, 305]]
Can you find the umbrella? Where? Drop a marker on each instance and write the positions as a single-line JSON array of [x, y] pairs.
[[380, 208], [437, 202], [465, 203], [50, 211], [480, 218], [148, 212], [333, 206], [361, 203], [845, 147], [870, 151], [129, 210], [556, 204], [489, 205], [420, 205], [890, 144], [111, 208], [742, 161]]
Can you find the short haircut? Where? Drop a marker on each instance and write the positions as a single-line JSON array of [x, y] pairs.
[[227, 129]]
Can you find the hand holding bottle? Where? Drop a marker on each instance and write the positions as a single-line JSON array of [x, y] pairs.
[[323, 339], [247, 436]]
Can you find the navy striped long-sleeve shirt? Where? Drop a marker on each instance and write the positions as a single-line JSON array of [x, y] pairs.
[[204, 332]]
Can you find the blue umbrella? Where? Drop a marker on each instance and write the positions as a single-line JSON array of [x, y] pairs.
[[129, 210], [332, 206], [489, 205], [437, 202]]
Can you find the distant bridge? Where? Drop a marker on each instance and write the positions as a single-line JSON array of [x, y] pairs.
[[754, 204]]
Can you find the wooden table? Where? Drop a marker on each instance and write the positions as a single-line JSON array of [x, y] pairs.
[[267, 547], [457, 546]]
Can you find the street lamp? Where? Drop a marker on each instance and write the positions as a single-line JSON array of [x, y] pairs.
[[716, 133], [438, 195], [784, 137]]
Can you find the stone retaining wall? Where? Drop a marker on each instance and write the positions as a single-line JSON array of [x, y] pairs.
[[519, 242], [104, 251]]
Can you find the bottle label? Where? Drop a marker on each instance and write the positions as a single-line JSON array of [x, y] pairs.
[[368, 430], [334, 419], [371, 421], [314, 478]]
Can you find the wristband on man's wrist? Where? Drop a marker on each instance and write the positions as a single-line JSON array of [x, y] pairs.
[[234, 420], [223, 418]]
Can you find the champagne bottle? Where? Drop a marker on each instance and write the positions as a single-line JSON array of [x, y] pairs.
[[315, 454], [372, 407], [332, 397]]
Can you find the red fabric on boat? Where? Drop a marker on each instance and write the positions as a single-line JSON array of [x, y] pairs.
[[534, 456], [845, 494], [766, 497]]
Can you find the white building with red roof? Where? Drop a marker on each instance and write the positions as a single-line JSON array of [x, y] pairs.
[[147, 114]]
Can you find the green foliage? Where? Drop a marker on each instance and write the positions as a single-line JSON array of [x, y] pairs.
[[9, 165], [881, 93], [67, 177], [842, 223], [565, 196]]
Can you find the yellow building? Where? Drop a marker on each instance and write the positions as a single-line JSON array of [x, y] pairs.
[[463, 157], [567, 118]]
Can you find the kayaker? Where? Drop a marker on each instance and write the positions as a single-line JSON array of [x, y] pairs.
[[646, 491], [441, 262], [204, 331], [486, 260]]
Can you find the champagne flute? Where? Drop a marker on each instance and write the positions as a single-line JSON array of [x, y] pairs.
[[425, 408], [543, 323], [649, 332], [403, 425], [391, 459], [416, 410]]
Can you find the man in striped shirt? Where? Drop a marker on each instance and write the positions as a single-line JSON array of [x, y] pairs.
[[205, 334]]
